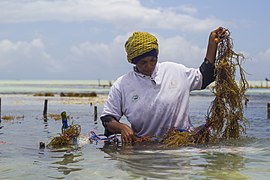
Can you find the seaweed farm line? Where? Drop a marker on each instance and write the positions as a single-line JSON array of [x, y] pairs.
[[78, 86], [22, 158]]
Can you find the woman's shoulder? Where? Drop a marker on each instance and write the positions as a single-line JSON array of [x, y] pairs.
[[124, 79], [169, 64]]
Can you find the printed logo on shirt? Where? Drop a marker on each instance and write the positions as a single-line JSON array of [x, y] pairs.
[[135, 98], [173, 84]]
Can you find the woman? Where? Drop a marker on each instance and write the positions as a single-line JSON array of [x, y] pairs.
[[154, 96]]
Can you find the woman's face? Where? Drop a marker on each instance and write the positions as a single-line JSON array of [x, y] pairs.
[[147, 65]]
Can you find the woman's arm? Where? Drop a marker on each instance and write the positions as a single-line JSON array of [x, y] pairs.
[[112, 126]]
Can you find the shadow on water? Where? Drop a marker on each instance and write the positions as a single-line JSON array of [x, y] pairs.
[[222, 161], [67, 160]]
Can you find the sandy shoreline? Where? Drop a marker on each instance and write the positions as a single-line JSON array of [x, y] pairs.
[[57, 99]]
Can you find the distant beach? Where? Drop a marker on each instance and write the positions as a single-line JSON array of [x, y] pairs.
[[73, 86], [54, 86], [259, 84]]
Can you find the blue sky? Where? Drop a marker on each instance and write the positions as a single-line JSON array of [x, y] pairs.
[[84, 39]]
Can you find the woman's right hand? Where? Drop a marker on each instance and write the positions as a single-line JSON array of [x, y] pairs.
[[127, 134]]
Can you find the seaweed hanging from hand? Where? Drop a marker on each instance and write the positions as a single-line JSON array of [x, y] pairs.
[[225, 119]]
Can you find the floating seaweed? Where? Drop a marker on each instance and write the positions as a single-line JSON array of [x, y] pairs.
[[50, 94], [67, 137], [73, 94], [12, 117], [225, 119]]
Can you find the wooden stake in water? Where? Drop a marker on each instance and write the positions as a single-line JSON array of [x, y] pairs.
[[95, 113], [45, 108], [0, 110], [268, 110]]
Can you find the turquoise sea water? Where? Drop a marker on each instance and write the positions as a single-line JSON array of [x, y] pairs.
[[21, 157], [55, 86]]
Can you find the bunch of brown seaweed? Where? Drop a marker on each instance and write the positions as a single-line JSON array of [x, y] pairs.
[[67, 137], [225, 119]]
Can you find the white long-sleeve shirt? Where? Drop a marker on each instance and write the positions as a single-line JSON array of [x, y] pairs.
[[155, 104]]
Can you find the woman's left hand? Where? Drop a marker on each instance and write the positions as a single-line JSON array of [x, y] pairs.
[[217, 35]]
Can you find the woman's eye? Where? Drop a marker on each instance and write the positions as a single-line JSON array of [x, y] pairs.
[[142, 63]]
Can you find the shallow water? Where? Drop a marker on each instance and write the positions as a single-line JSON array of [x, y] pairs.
[[21, 158]]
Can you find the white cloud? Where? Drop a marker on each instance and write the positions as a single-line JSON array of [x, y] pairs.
[[185, 9], [257, 65], [18, 49], [99, 60], [265, 55], [180, 50], [99, 52], [189, 9], [88, 59], [74, 52], [23, 58], [128, 13], [30, 60]]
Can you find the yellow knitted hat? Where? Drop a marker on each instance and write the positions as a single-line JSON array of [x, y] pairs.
[[140, 43]]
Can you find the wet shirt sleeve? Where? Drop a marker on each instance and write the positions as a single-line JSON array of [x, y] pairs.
[[194, 77], [113, 106]]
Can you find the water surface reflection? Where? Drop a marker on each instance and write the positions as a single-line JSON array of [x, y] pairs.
[[216, 162]]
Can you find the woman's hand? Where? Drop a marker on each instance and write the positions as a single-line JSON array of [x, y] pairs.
[[127, 134], [215, 37]]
